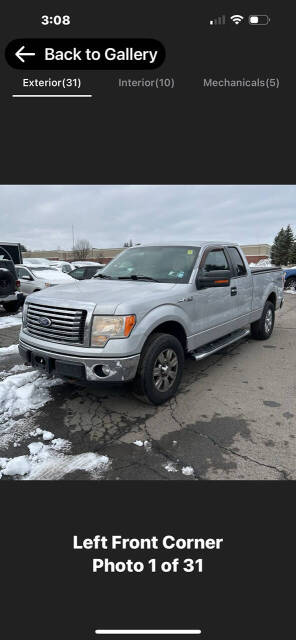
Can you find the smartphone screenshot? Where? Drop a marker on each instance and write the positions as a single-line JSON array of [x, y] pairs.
[[147, 320]]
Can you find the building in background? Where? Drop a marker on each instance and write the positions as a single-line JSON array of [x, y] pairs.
[[253, 253], [97, 255], [256, 252]]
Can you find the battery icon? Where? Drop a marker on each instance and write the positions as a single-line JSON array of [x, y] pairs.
[[259, 20]]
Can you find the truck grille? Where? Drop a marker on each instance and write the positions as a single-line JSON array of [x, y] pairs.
[[61, 324]]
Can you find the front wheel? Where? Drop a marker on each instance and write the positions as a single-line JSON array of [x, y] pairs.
[[160, 369], [263, 328]]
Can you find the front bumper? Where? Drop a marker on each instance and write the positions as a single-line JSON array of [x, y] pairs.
[[81, 368]]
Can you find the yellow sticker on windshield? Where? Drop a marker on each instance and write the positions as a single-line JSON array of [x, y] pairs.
[[189, 251]]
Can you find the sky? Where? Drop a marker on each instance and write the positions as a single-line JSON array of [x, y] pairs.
[[41, 217]]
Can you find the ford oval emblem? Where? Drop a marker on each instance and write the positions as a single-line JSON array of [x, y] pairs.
[[45, 322]]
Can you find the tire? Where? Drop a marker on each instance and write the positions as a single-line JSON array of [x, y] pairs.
[[263, 328], [160, 369], [290, 283], [11, 307], [7, 282]]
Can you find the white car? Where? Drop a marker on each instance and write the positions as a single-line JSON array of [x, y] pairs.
[[36, 262], [62, 265], [87, 263], [39, 277]]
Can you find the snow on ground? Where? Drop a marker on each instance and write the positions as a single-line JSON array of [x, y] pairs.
[[24, 392], [187, 471], [171, 467], [16, 369], [291, 290], [52, 462], [143, 443], [8, 351], [47, 435], [11, 321], [20, 395]]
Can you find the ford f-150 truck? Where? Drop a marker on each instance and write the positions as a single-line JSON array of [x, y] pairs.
[[145, 311]]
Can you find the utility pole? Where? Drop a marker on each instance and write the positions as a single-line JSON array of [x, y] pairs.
[[72, 237]]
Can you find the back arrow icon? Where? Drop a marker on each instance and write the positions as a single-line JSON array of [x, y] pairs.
[[20, 53]]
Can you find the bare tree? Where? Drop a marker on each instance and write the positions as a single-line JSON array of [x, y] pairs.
[[81, 249]]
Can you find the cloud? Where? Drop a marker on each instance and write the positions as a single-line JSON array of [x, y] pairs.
[[41, 216]]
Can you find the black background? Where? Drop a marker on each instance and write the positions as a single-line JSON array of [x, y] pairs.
[[184, 135], [245, 591]]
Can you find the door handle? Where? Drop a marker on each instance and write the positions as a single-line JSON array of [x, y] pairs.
[[233, 291]]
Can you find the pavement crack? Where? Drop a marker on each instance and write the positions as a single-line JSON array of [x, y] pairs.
[[243, 456]]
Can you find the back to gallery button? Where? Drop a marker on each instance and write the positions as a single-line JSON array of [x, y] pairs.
[[78, 53]]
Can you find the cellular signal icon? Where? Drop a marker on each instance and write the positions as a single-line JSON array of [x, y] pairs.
[[218, 21], [237, 19]]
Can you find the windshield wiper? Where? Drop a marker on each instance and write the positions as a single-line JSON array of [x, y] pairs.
[[103, 275], [134, 276]]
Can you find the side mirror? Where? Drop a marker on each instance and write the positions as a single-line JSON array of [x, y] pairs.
[[206, 279]]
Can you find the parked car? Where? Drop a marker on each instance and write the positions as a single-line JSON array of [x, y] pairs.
[[139, 322], [62, 265], [35, 278], [87, 263], [84, 273], [36, 262], [290, 278], [10, 296]]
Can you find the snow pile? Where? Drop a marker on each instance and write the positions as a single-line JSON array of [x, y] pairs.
[[51, 462], [10, 321], [143, 443], [188, 471], [7, 351], [291, 290], [47, 435], [22, 393], [14, 466], [171, 467], [16, 369]]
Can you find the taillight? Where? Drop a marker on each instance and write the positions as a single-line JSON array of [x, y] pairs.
[[18, 283]]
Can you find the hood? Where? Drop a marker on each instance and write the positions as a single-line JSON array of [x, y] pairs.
[[52, 276], [106, 295]]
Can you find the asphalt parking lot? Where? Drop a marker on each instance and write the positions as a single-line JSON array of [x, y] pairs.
[[233, 418]]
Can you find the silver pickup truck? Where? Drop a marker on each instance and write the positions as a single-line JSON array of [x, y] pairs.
[[147, 310]]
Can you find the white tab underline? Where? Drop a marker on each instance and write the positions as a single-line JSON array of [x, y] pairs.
[[151, 632]]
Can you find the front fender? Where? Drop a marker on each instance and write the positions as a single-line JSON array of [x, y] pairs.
[[145, 325], [159, 315]]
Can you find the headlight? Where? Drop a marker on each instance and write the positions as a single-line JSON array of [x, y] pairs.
[[106, 327], [24, 313]]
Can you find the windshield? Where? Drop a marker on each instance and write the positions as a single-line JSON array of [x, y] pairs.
[[164, 264]]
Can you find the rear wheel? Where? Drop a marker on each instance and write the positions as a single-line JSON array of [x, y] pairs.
[[160, 369], [11, 307], [263, 328]]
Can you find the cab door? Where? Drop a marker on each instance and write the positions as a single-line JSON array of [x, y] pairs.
[[243, 281], [215, 308]]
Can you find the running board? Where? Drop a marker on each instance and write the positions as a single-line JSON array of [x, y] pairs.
[[212, 347]]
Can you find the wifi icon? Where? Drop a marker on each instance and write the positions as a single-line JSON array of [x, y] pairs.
[[237, 18]]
